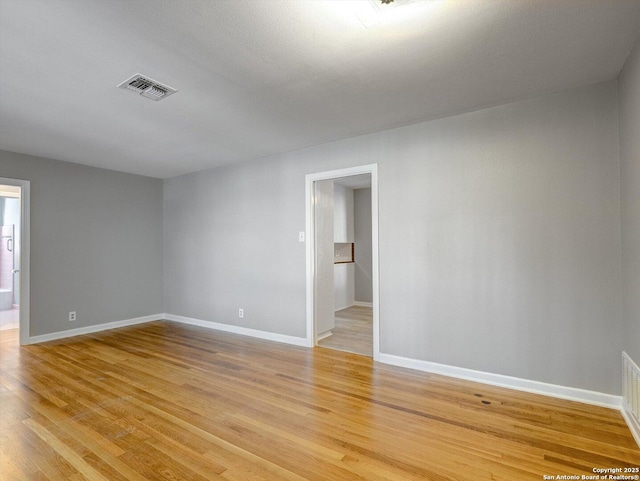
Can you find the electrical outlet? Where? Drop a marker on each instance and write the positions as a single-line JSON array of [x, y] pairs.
[[72, 316], [301, 236], [241, 312]]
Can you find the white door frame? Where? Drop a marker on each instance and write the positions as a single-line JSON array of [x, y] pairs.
[[311, 248], [25, 250]]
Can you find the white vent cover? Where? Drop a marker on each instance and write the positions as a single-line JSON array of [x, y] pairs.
[[143, 85]]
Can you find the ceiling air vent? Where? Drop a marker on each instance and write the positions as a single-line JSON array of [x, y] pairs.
[[146, 87]]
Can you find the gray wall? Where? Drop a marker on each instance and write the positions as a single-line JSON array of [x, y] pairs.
[[231, 240], [499, 239], [504, 224], [96, 243], [363, 267], [629, 108]]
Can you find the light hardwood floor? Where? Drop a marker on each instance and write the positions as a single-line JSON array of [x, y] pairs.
[[353, 331], [163, 401]]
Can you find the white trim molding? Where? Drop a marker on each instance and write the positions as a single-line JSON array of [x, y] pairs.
[[363, 304], [95, 328], [355, 303], [535, 387], [244, 331], [323, 335], [310, 244]]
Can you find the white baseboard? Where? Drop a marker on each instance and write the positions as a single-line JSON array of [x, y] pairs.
[[339, 308], [91, 329], [245, 331], [536, 387], [355, 303], [324, 335]]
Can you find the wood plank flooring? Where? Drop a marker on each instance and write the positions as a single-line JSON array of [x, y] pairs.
[[163, 401], [353, 331]]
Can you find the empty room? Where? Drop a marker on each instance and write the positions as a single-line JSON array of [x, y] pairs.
[[319, 240]]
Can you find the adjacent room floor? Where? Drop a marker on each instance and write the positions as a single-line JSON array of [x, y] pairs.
[[353, 331], [168, 401]]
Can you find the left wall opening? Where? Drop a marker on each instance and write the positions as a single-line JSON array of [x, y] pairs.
[[10, 230]]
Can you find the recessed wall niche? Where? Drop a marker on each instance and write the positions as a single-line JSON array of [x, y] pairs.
[[344, 252]]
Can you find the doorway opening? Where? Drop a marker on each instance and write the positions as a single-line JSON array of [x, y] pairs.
[[342, 260], [14, 259], [9, 257]]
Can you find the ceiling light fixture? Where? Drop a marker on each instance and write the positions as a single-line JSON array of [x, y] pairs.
[[147, 87], [373, 12]]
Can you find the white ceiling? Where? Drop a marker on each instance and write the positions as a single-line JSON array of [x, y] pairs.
[[258, 77]]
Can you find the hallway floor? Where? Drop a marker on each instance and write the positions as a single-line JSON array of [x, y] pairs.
[[353, 331]]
